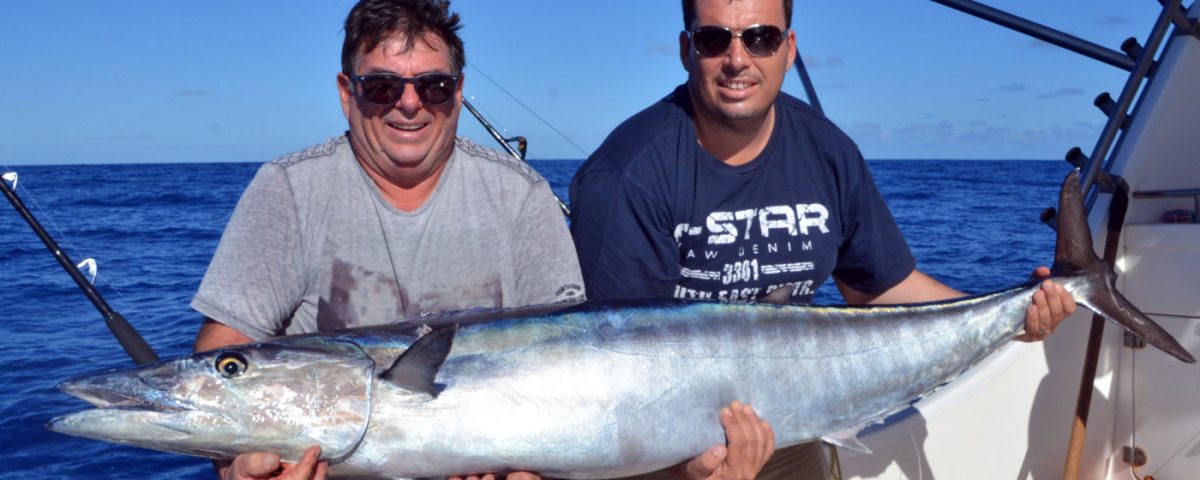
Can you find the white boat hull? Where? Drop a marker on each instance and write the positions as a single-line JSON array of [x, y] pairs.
[[1011, 416]]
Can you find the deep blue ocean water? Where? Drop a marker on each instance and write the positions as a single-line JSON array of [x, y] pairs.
[[153, 228]]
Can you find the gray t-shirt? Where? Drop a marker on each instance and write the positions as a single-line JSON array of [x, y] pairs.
[[314, 246]]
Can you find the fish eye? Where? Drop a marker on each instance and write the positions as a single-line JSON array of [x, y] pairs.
[[231, 364]]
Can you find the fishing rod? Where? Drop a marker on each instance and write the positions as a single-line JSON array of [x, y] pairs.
[[506, 143], [126, 335]]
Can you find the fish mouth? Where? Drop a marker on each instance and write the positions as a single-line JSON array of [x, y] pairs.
[[125, 390], [133, 408], [309, 392]]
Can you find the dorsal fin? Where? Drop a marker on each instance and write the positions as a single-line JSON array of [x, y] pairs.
[[779, 296], [416, 368]]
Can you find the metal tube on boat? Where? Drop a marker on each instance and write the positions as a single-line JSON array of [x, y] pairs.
[[1132, 86], [1105, 103], [1185, 25], [1117, 210], [1132, 48], [126, 335], [1076, 157], [1194, 194], [1041, 32]]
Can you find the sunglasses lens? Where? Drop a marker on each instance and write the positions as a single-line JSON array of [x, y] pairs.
[[381, 90], [763, 40], [435, 89], [711, 41]]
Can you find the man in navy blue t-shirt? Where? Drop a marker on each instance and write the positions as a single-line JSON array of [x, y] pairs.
[[727, 189]]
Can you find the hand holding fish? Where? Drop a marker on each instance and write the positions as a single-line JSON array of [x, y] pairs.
[[750, 443], [511, 476], [262, 465], [1051, 304]]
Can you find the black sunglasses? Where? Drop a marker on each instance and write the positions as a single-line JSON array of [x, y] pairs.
[[384, 89], [759, 40]]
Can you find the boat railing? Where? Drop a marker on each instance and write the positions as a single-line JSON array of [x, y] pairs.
[[1194, 194], [1139, 79], [1135, 58]]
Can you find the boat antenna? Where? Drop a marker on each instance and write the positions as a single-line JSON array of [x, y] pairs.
[[130, 340]]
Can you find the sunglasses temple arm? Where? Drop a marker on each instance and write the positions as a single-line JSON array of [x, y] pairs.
[[508, 147], [808, 85]]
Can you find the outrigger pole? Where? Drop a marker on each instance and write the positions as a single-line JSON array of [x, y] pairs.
[[506, 143], [1042, 32], [130, 340], [808, 85]]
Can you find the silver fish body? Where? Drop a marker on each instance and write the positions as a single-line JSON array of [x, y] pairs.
[[598, 391], [593, 390]]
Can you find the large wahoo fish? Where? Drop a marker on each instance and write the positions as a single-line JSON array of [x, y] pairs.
[[592, 390]]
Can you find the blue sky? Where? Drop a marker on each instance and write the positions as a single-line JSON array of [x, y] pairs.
[[165, 81]]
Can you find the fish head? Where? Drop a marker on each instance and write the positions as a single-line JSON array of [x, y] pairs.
[[221, 403]]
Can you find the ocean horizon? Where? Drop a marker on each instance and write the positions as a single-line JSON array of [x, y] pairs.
[[11, 166]]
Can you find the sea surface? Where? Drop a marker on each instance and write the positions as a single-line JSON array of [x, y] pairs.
[[153, 228]]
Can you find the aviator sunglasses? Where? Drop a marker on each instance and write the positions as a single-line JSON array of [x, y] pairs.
[[384, 89], [759, 40]]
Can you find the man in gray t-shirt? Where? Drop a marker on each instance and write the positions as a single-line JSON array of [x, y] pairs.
[[398, 217], [314, 246]]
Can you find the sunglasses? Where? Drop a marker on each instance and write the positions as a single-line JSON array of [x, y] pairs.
[[759, 40], [384, 89]]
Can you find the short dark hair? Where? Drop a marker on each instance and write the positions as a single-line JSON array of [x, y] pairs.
[[689, 13], [371, 22]]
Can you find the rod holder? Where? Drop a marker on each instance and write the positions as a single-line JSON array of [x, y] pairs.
[[1049, 217], [1106, 104], [1076, 158], [1079, 160], [1132, 48], [1135, 51]]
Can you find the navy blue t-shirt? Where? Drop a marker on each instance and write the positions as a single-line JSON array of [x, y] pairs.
[[655, 215]]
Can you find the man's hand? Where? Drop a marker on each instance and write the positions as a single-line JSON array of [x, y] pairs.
[[1051, 304], [511, 476], [749, 443], [262, 465]]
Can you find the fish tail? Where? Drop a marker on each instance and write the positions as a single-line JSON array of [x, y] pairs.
[[1075, 258]]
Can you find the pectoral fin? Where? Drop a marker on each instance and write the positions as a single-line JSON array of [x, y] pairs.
[[847, 440]]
